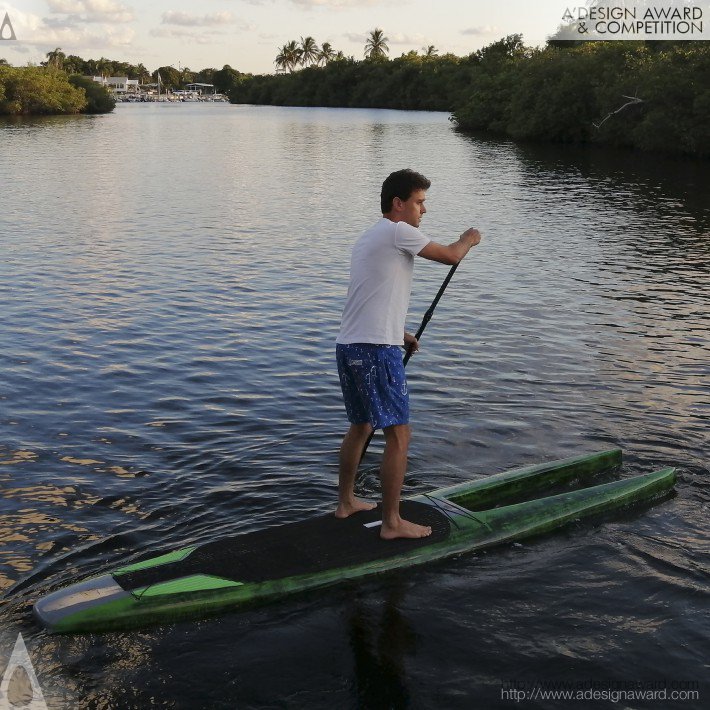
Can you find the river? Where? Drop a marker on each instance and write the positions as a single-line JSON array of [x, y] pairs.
[[172, 281]]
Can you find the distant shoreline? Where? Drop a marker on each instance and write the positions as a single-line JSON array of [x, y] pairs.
[[646, 96]]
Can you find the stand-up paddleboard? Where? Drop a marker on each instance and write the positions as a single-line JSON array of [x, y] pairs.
[[207, 579]]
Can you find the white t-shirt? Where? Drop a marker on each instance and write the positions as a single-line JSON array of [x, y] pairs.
[[381, 269]]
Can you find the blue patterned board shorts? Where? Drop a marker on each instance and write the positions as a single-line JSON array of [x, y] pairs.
[[373, 383]]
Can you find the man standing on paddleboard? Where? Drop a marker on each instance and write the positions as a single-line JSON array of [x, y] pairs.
[[371, 336]]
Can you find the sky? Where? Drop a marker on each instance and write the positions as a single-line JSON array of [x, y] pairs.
[[246, 34]]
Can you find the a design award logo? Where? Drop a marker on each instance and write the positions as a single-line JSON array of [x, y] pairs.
[[19, 689]]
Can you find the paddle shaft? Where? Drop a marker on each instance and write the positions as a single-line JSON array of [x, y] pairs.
[[418, 334], [430, 312]]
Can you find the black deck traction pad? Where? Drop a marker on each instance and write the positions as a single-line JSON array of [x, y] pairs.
[[306, 547]]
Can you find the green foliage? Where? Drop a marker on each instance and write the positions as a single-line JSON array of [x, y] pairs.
[[73, 64], [635, 94], [38, 90], [676, 109], [226, 79], [205, 76], [409, 82], [98, 98], [170, 77], [510, 47]]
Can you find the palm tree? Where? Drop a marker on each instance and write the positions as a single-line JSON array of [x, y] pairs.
[[281, 60], [104, 66], [430, 51], [187, 76], [288, 57], [376, 45], [293, 54], [309, 51], [143, 74], [56, 58], [326, 54]]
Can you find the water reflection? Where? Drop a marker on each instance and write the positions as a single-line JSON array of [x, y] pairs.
[[380, 640]]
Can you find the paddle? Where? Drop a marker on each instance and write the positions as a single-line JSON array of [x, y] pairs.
[[418, 334]]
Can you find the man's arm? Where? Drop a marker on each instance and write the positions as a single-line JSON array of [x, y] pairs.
[[453, 253]]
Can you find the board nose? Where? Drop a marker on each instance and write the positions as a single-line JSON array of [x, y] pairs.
[[58, 609]]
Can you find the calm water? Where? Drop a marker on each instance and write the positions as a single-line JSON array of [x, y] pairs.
[[172, 280]]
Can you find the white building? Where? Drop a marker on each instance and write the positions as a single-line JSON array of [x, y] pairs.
[[118, 84], [200, 89]]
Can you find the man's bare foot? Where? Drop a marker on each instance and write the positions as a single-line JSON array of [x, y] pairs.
[[404, 529], [345, 510]]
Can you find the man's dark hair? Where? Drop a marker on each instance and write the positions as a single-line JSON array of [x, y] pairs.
[[402, 184]]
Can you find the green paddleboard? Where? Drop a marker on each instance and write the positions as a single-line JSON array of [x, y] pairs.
[[220, 575]]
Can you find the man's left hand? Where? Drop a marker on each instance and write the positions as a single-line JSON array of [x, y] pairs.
[[411, 344]]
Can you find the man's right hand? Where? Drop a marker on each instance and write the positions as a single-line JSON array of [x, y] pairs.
[[471, 236]]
